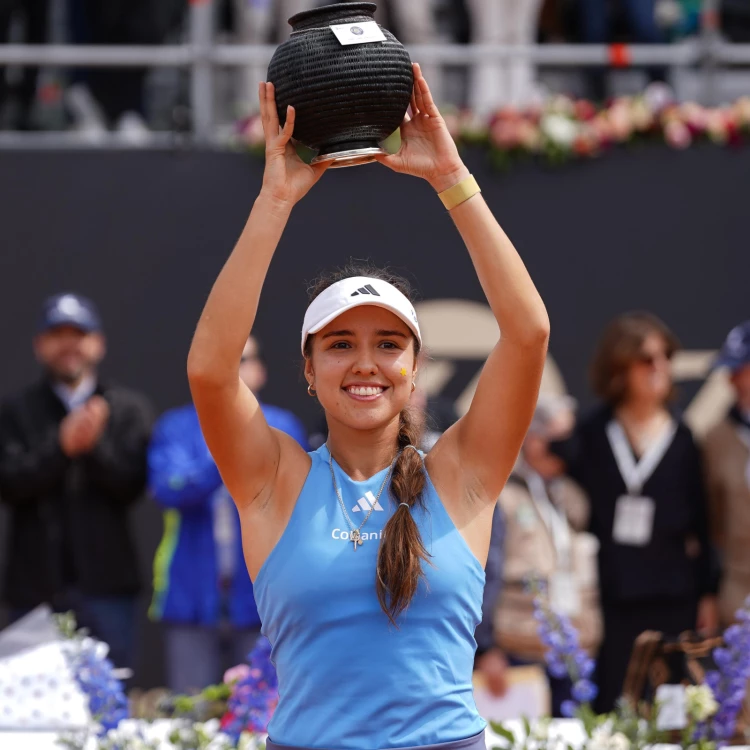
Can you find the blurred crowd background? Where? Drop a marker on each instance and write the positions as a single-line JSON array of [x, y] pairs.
[[137, 102], [630, 521]]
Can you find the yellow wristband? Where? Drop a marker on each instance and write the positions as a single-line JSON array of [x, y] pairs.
[[456, 195]]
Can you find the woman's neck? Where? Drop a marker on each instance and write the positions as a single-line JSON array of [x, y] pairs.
[[362, 453], [640, 412]]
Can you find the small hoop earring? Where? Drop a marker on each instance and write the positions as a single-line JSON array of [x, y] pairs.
[[413, 386], [311, 391]]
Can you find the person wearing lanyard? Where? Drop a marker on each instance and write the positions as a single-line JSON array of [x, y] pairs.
[[366, 557], [642, 472], [727, 453], [544, 514]]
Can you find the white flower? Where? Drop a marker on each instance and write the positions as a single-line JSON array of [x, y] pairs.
[[559, 129], [211, 728], [700, 702], [248, 741], [603, 739]]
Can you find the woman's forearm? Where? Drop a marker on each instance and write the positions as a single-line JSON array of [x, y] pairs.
[[230, 310], [515, 302]]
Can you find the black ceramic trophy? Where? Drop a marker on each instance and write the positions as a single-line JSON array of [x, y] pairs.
[[348, 96]]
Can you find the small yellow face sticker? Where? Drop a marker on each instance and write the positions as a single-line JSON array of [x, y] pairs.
[[403, 371]]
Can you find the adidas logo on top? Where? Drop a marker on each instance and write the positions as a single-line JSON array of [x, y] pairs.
[[366, 289], [367, 502]]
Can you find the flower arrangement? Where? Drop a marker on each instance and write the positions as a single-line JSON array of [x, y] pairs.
[[563, 128], [233, 715], [711, 710]]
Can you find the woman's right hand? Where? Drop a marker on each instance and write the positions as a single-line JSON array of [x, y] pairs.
[[286, 178]]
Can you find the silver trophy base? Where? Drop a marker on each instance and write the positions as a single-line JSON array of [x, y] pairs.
[[350, 158]]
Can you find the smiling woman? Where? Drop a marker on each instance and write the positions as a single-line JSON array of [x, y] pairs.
[[365, 551]]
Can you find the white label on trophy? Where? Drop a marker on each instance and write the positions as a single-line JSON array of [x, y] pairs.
[[358, 33]]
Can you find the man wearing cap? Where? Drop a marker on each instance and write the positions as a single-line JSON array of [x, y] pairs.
[[72, 463], [727, 453]]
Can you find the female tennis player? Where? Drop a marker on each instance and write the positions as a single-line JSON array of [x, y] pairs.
[[367, 558]]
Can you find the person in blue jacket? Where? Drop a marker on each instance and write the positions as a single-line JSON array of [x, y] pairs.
[[202, 591]]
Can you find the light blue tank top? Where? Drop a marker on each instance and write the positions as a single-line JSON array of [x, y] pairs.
[[348, 680]]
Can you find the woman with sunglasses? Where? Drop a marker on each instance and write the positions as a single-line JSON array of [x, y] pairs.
[[367, 559], [642, 471]]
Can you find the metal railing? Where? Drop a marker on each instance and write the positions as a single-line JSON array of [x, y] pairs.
[[203, 56]]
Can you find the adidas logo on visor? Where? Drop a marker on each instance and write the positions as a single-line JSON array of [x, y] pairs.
[[366, 289]]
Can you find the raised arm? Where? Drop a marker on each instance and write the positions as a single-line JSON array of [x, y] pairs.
[[488, 438], [247, 451]]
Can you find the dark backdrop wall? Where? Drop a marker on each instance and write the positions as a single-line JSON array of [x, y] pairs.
[[146, 233]]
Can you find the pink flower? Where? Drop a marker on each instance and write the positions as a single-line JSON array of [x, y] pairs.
[[741, 111], [677, 134], [252, 131], [585, 110], [529, 136], [717, 126], [236, 674], [643, 118], [620, 121], [695, 116], [453, 123], [505, 133]]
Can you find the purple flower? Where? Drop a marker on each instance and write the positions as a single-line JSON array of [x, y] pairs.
[[729, 681], [584, 691], [254, 697], [564, 656], [107, 701], [585, 665], [568, 709]]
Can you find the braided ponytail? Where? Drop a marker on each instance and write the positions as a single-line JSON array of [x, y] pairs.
[[402, 551]]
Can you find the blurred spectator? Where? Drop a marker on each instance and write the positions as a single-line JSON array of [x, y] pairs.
[[72, 463], [727, 452], [103, 98], [642, 472], [640, 17], [254, 21], [545, 515], [202, 591], [19, 101], [413, 21], [510, 82]]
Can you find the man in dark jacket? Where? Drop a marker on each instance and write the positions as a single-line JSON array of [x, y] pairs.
[[72, 463]]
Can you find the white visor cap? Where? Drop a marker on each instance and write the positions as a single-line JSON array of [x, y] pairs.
[[354, 292]]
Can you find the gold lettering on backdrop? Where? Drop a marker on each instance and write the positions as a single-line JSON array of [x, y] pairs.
[[456, 330]]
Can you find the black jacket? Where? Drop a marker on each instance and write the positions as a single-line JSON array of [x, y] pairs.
[[69, 517], [663, 568]]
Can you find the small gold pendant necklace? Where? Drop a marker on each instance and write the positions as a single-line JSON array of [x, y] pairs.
[[355, 534]]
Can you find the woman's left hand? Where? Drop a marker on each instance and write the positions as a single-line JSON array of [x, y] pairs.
[[427, 148]]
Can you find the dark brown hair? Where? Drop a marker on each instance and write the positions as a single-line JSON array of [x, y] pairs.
[[619, 347], [401, 552]]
